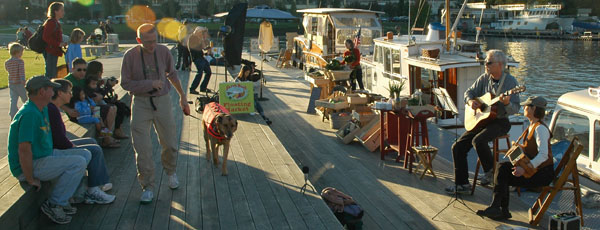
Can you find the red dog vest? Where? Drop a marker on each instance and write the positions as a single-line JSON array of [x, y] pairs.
[[211, 110]]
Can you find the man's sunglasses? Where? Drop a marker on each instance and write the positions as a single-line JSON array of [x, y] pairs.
[[79, 69]]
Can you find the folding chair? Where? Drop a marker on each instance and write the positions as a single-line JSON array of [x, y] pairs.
[[566, 167]]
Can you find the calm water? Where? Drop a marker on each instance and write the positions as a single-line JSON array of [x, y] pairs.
[[550, 68]]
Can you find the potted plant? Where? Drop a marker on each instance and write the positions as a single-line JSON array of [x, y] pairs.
[[395, 88]]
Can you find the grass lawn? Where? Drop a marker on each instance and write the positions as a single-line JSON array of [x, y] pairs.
[[34, 65]]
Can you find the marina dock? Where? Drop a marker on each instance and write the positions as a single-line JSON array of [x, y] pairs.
[[262, 190]]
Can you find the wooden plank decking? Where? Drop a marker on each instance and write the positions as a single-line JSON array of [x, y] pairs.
[[392, 198], [262, 190]]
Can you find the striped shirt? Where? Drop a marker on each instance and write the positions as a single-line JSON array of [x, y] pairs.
[[16, 71]]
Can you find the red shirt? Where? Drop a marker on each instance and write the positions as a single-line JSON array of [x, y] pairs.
[[53, 37], [356, 55]]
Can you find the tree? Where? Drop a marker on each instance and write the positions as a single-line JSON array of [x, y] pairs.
[[293, 7], [170, 8], [422, 18], [77, 11]]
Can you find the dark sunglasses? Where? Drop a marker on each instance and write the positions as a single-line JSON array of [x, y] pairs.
[[489, 63], [81, 69]]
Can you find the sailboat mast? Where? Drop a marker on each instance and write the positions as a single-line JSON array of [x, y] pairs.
[[447, 25]]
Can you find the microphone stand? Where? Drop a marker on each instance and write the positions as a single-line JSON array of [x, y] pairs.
[[305, 170], [448, 105], [262, 78]]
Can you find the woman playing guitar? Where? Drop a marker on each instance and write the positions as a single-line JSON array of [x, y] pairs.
[[536, 145]]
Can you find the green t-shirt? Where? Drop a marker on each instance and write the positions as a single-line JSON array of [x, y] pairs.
[[75, 81], [29, 125]]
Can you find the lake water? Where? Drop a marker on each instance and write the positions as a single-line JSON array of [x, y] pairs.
[[550, 68]]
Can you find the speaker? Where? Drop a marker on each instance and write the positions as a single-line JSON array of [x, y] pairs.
[[234, 40]]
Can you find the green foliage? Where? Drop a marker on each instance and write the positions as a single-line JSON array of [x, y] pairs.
[[170, 8], [334, 65], [395, 88], [422, 18]]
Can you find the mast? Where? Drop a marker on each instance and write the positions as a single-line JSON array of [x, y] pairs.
[[447, 25]]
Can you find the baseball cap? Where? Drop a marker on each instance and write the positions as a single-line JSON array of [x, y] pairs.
[[39, 82], [536, 101]]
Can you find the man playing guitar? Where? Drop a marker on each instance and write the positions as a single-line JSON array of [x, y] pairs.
[[495, 80]]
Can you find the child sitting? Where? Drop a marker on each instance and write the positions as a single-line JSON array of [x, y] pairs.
[[89, 113]]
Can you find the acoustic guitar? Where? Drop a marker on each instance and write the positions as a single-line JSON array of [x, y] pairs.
[[487, 111]]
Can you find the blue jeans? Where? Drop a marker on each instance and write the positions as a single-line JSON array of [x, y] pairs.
[[203, 66], [51, 62], [68, 165], [97, 171]]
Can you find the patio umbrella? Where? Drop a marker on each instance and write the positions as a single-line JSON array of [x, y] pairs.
[[264, 11]]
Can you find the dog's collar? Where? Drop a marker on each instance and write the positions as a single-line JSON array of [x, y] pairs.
[[213, 131]]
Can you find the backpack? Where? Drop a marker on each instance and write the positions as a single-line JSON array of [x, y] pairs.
[[36, 41]]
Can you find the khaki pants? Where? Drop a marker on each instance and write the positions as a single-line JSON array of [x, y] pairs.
[[142, 118]]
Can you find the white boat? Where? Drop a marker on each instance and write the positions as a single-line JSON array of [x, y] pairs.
[[403, 58], [578, 114], [537, 17], [326, 30]]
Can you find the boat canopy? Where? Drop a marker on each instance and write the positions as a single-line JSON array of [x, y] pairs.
[[337, 10], [582, 101]]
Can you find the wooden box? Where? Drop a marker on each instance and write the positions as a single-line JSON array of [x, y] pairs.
[[337, 120], [348, 132], [338, 75], [364, 117], [358, 98], [369, 135], [317, 80], [342, 104], [430, 53]]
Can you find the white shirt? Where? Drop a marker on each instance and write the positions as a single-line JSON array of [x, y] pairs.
[[542, 135]]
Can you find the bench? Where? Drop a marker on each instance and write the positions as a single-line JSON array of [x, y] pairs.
[[19, 202], [94, 50]]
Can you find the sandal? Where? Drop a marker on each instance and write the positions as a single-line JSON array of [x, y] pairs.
[[110, 143]]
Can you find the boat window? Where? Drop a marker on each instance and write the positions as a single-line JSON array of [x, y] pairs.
[[396, 61], [596, 141], [525, 23], [321, 27], [377, 54], [314, 25], [510, 23], [518, 23], [387, 57], [366, 35], [354, 21], [569, 125]]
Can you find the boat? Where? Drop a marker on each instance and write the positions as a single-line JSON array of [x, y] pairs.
[[537, 17], [408, 59], [577, 114], [326, 30]]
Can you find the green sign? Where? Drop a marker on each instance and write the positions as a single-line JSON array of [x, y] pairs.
[[237, 97]]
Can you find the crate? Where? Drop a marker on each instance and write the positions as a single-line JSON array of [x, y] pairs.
[[364, 117], [430, 53], [317, 80], [338, 75], [326, 104], [337, 120], [348, 132], [369, 135], [357, 98]]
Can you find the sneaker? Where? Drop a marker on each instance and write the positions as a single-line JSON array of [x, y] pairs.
[[55, 213], [487, 178], [460, 189], [147, 196], [69, 210], [106, 187], [173, 181], [194, 91], [98, 197]]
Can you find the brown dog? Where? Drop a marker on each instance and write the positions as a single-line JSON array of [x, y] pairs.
[[218, 126]]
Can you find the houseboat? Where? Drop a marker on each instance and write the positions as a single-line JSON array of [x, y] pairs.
[[577, 114], [412, 59], [326, 30], [537, 17]]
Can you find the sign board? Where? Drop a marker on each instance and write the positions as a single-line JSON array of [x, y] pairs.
[[237, 97], [254, 45], [314, 95]]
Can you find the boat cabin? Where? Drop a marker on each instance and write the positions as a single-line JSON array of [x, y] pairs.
[[578, 114], [326, 30], [413, 59]]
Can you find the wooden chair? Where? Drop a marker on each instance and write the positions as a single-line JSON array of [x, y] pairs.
[[566, 167], [285, 56], [496, 151]]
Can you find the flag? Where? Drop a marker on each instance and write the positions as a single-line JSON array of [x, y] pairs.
[[357, 38]]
